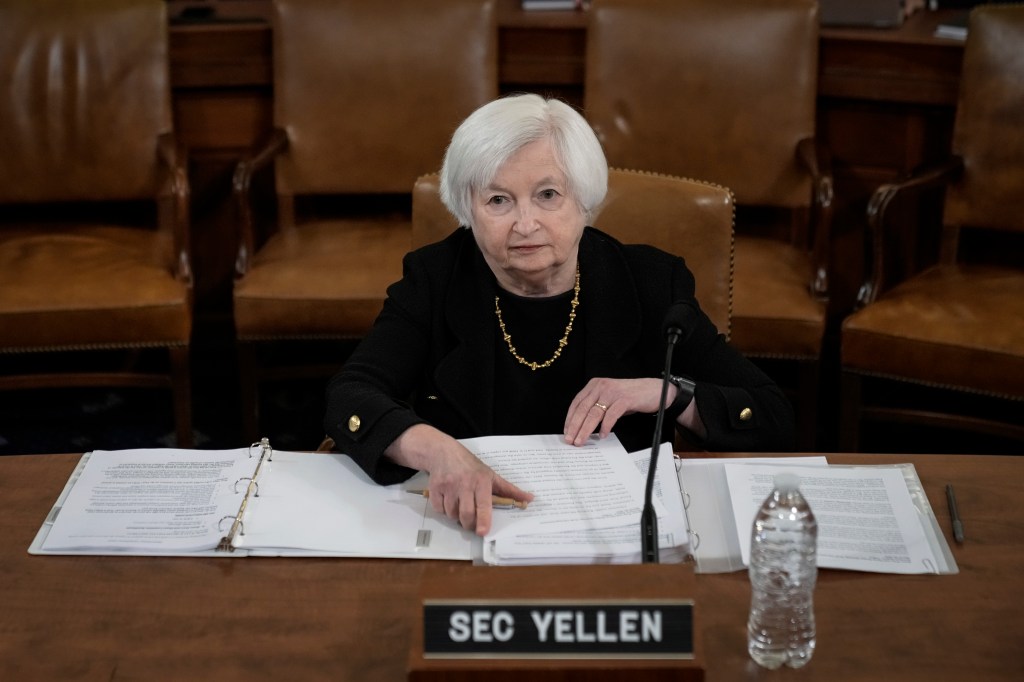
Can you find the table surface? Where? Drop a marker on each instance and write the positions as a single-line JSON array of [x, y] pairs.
[[121, 618]]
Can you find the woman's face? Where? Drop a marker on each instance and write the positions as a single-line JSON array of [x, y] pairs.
[[527, 225]]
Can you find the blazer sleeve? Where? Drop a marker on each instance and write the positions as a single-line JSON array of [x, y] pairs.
[[368, 399], [742, 408]]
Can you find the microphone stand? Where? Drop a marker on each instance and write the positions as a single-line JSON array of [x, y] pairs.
[[649, 519]]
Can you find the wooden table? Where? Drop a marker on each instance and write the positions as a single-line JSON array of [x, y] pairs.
[[134, 618]]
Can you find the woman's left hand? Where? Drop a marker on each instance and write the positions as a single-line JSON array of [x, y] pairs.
[[603, 401]]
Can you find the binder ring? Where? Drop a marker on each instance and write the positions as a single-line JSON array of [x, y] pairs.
[[251, 481], [264, 448], [686, 500], [232, 519], [696, 543]]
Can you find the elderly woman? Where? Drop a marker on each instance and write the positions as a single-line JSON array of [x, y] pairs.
[[529, 321]]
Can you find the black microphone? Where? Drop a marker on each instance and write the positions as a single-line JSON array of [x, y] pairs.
[[678, 325]]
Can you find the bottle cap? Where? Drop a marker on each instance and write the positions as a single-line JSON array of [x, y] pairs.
[[786, 481]]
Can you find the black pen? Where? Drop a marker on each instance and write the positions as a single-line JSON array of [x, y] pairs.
[[954, 514]]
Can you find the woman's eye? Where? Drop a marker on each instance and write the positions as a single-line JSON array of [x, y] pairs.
[[548, 194], [497, 200]]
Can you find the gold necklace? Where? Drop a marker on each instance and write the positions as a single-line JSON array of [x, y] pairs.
[[562, 343]]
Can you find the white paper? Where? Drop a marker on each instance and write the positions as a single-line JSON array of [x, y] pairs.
[[716, 545], [595, 484], [673, 529], [324, 503], [614, 544], [867, 520], [587, 505], [164, 500]]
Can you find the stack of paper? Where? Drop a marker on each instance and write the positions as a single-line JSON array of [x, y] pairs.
[[587, 506], [870, 518]]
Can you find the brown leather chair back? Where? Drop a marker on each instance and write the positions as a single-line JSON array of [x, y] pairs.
[[956, 327], [88, 167], [104, 108], [689, 218], [366, 98], [726, 91], [431, 220], [346, 132], [989, 128], [706, 89]]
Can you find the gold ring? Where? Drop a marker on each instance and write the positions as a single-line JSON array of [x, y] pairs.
[[603, 407]]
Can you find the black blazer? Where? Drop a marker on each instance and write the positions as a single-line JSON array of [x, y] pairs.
[[430, 355]]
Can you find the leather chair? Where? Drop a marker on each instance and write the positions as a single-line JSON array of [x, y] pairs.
[[689, 218], [94, 258], [955, 330], [726, 92], [366, 97]]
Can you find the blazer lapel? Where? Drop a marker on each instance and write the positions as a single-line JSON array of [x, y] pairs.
[[465, 376], [608, 298]]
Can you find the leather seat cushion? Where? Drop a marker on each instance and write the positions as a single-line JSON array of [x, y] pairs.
[[322, 279], [85, 287], [958, 326], [773, 313]]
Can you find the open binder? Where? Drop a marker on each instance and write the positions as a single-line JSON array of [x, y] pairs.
[[251, 501], [720, 507], [260, 502]]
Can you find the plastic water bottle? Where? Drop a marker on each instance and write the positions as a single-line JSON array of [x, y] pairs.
[[783, 572]]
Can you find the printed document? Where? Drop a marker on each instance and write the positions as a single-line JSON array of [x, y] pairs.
[[866, 518], [184, 502], [587, 506]]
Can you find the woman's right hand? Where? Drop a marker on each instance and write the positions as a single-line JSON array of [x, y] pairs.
[[461, 485]]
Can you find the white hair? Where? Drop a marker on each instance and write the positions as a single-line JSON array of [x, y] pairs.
[[492, 134]]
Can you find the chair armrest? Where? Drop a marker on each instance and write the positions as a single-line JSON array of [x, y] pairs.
[[241, 189], [877, 217], [818, 161], [173, 198]]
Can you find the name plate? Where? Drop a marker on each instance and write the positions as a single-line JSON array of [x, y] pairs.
[[656, 629]]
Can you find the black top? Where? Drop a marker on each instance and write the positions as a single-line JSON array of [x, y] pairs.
[[529, 401]]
